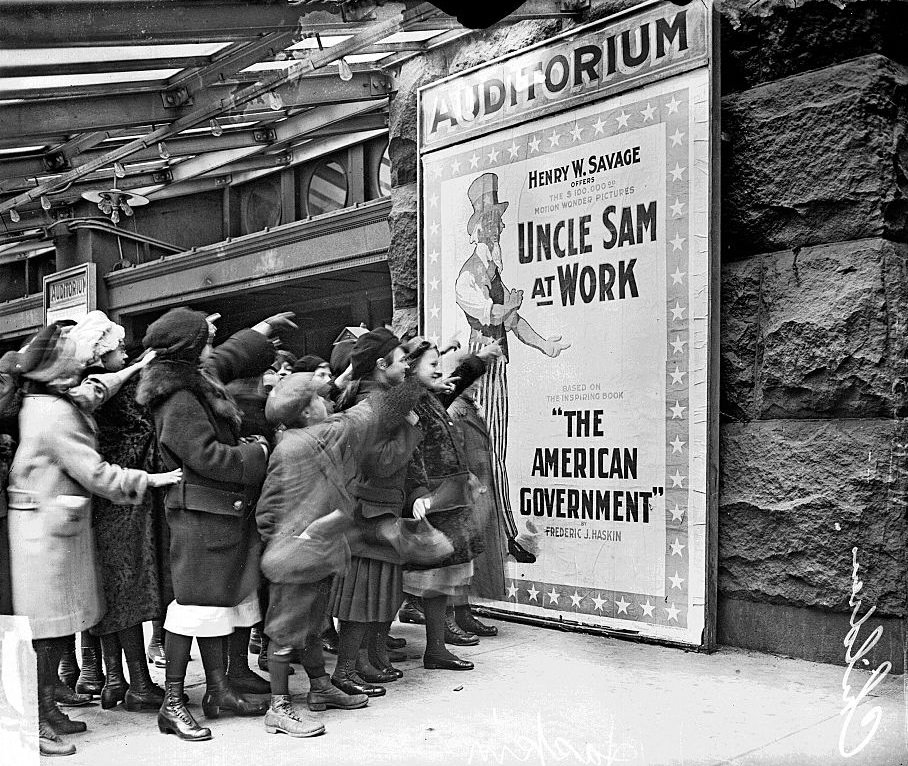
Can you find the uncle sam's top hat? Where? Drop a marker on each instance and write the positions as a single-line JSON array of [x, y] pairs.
[[483, 194]]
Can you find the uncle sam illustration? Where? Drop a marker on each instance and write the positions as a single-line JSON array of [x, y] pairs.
[[493, 313]]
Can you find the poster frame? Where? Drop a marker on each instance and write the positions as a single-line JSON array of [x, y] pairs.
[[712, 59]]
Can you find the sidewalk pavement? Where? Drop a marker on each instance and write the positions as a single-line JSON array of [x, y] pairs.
[[545, 697]]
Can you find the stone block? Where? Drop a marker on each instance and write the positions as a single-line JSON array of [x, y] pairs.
[[814, 158], [796, 496], [817, 332], [739, 336], [767, 40], [402, 258]]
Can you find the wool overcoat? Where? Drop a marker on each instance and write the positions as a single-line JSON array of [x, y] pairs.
[[56, 470], [214, 545]]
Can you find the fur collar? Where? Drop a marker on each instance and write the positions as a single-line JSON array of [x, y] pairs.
[[163, 378]]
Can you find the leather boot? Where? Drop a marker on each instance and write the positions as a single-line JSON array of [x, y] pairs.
[[115, 686], [411, 611], [255, 641], [283, 717], [346, 679], [143, 693], [330, 638], [50, 744], [468, 623], [323, 694], [46, 652], [454, 634], [155, 649], [371, 674], [51, 714], [69, 666], [521, 555], [219, 694], [395, 643], [241, 678], [174, 718], [91, 679], [66, 697]]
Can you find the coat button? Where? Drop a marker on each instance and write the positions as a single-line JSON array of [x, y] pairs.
[[238, 505]]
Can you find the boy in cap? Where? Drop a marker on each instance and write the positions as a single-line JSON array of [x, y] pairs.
[[304, 510]]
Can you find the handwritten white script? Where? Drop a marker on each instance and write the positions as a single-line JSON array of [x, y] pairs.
[[871, 718], [537, 746]]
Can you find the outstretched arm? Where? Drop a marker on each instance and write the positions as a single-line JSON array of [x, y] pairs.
[[551, 346]]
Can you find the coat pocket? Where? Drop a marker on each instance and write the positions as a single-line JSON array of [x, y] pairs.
[[66, 515]]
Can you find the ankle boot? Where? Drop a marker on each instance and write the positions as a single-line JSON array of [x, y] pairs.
[[411, 611], [91, 679], [50, 744], [330, 638], [66, 697], [69, 667], [283, 717], [323, 694], [395, 643], [241, 678], [468, 623], [255, 641], [454, 634], [348, 681], [115, 686], [155, 649], [143, 693], [219, 694], [51, 714], [174, 718], [369, 673]]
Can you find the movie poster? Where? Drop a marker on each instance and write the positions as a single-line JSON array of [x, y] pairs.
[[580, 242]]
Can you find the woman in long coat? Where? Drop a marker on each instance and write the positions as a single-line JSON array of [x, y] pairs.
[[131, 547], [488, 568], [214, 544], [55, 472]]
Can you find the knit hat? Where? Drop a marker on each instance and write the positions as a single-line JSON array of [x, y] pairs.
[[180, 335], [340, 357], [95, 335], [371, 347], [308, 363], [50, 358], [290, 397]]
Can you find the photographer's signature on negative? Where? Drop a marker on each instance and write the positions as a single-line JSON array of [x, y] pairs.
[[872, 717]]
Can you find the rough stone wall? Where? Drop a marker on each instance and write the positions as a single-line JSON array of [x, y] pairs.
[[814, 287]]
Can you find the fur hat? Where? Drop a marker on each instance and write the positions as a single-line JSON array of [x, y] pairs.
[[290, 397], [371, 347], [95, 335], [180, 335]]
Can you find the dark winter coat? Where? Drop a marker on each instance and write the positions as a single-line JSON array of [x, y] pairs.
[[310, 475], [488, 574], [214, 545], [379, 489], [439, 466], [131, 540]]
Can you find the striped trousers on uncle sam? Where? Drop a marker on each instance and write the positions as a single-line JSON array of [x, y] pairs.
[[492, 400]]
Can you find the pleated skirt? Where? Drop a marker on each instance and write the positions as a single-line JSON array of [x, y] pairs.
[[369, 591]]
